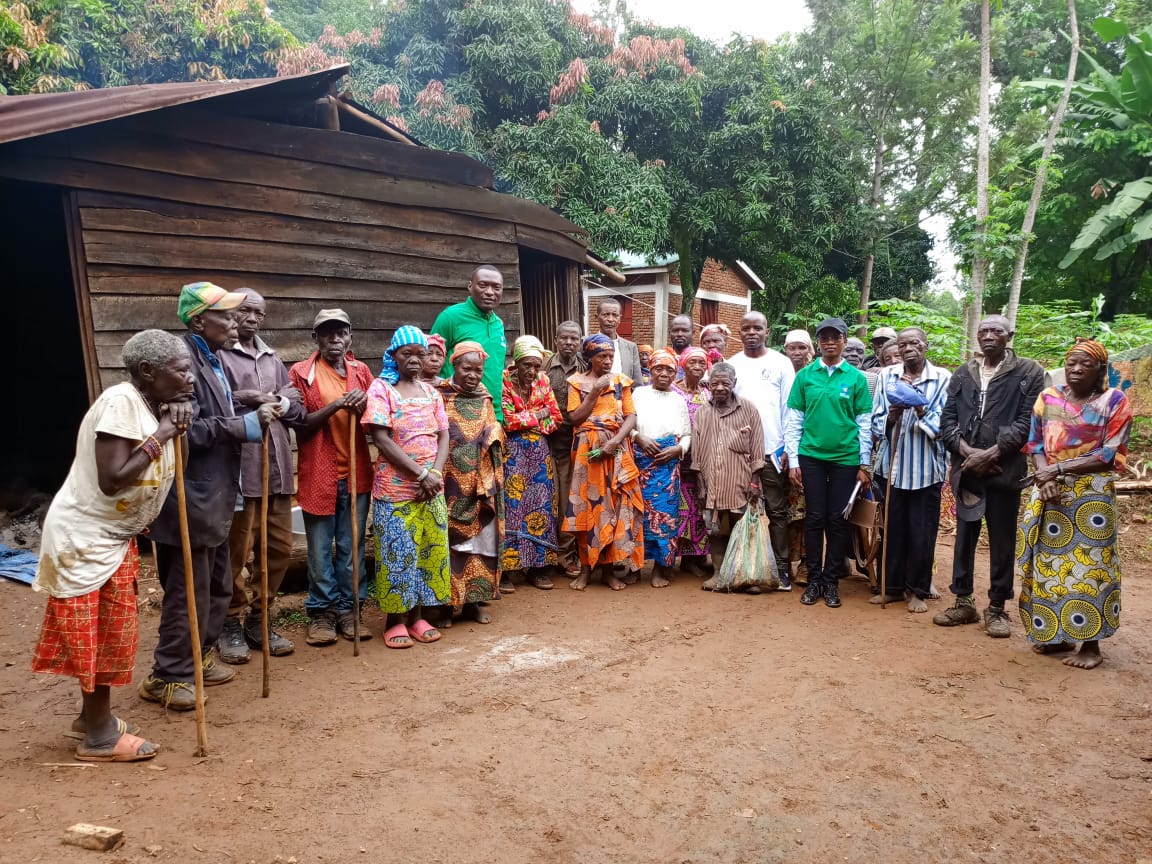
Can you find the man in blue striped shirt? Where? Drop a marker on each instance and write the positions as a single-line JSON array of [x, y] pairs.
[[921, 466]]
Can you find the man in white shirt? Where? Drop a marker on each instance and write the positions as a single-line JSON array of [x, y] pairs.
[[764, 378], [626, 360]]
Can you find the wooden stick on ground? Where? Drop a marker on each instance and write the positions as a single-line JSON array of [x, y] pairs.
[[265, 599], [190, 594], [352, 490]]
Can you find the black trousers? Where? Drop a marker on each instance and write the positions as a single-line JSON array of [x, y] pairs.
[[775, 486], [910, 538], [212, 577], [1002, 513], [827, 488]]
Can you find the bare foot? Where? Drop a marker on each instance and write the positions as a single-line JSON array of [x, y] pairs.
[[933, 592], [660, 577], [1054, 648], [877, 599], [915, 604], [709, 584], [1088, 657], [631, 577], [478, 614], [581, 581], [615, 582]]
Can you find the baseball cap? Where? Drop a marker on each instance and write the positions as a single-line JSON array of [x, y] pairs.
[[836, 324], [326, 315], [198, 297], [883, 333]]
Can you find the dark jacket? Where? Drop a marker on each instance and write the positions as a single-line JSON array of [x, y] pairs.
[[212, 469], [1007, 415]]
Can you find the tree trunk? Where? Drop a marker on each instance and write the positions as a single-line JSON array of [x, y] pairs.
[[870, 260], [979, 262], [682, 241], [1042, 170]]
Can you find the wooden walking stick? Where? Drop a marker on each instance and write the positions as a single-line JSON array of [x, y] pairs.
[[355, 535], [893, 461], [190, 595], [265, 650]]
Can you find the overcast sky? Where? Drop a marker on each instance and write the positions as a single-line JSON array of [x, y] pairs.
[[719, 19]]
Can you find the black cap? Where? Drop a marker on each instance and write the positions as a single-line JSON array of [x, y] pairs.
[[836, 324]]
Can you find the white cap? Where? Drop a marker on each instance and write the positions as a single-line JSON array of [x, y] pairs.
[[798, 336]]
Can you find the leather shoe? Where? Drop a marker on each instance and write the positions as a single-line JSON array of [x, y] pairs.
[[812, 593], [832, 595], [278, 645], [233, 649]]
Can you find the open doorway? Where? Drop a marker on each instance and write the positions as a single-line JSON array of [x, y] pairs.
[[47, 391]]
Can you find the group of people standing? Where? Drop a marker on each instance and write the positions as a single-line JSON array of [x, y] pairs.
[[591, 460]]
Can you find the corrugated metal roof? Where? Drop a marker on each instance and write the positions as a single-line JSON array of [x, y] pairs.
[[43, 113]]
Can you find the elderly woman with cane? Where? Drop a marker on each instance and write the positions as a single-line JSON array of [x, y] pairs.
[[530, 414], [693, 543], [473, 486], [1069, 558], [409, 427], [122, 473], [605, 505]]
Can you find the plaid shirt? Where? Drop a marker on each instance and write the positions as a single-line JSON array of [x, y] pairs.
[[316, 465]]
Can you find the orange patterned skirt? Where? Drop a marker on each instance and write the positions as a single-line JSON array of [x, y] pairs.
[[93, 637]]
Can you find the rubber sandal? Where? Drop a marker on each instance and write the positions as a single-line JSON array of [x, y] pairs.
[[127, 749], [397, 632], [121, 726], [543, 582], [420, 633]]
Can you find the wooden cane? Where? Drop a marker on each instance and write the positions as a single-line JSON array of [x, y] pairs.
[[355, 536], [265, 649], [893, 461], [190, 594]]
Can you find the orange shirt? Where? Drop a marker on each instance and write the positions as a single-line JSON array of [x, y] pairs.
[[333, 386]]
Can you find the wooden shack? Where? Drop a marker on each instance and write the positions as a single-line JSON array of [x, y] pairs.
[[110, 200]]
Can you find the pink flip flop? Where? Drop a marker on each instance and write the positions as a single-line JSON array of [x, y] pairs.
[[397, 632], [420, 632], [127, 749]]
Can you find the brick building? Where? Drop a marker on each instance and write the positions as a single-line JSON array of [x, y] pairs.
[[650, 298]]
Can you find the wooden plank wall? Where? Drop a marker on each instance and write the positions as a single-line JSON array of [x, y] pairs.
[[307, 235]]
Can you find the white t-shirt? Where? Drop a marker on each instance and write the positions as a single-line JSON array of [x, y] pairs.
[[660, 413], [86, 533], [616, 367], [766, 381]]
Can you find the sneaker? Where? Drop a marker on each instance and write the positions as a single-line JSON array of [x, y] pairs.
[[278, 645], [346, 626], [996, 622], [232, 646], [961, 613], [321, 628], [811, 594], [177, 695], [214, 673], [832, 595], [785, 579]]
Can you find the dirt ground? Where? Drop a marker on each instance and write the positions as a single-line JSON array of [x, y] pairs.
[[644, 726]]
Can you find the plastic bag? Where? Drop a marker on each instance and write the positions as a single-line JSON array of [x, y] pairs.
[[749, 560]]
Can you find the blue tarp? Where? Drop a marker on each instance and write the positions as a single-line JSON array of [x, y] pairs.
[[18, 565]]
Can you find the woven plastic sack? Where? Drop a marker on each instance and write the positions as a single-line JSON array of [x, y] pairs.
[[749, 560]]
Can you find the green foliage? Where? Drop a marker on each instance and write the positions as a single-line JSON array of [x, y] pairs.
[[945, 332], [77, 44]]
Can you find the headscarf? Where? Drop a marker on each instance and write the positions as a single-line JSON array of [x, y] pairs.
[[467, 347], [662, 358], [527, 346], [798, 336], [719, 328], [595, 344], [409, 334], [438, 340], [692, 351], [1097, 352], [1090, 347]]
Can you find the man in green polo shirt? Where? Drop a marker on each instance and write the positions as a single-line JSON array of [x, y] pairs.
[[828, 438], [476, 320]]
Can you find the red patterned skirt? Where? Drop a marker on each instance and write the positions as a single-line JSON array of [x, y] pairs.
[[93, 637]]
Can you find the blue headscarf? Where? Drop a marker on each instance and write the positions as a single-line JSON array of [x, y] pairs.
[[594, 344], [407, 335]]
